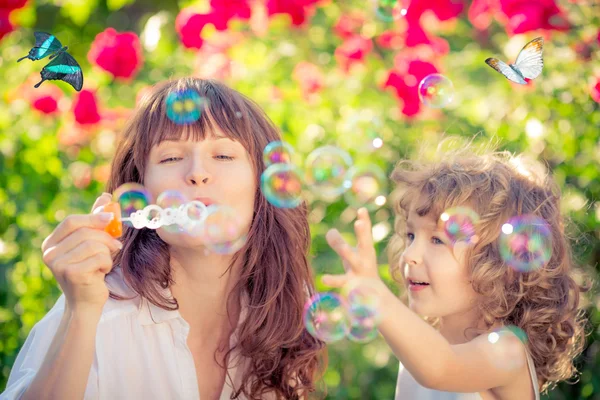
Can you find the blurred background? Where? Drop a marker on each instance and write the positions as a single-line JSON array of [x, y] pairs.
[[341, 73]]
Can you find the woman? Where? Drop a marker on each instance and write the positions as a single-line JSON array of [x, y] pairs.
[[156, 315]]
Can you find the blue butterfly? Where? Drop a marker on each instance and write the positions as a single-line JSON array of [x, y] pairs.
[[529, 63], [62, 67]]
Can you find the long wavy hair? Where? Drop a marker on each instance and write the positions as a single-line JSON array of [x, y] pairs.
[[285, 359], [544, 303]]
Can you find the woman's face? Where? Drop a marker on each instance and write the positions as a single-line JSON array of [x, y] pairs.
[[216, 170]]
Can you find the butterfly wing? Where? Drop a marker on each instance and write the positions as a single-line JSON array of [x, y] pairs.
[[65, 68], [45, 45], [529, 61], [505, 70]]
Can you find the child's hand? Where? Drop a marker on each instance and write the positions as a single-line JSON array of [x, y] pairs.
[[359, 262]]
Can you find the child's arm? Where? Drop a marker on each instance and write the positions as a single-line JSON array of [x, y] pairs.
[[423, 351]]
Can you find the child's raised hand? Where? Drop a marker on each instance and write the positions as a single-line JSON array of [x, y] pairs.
[[359, 262]]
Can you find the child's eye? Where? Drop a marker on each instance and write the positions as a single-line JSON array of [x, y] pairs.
[[436, 240], [224, 157], [170, 159], [410, 236]]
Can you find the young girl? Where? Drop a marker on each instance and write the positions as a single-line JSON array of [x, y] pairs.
[[156, 316], [482, 307]]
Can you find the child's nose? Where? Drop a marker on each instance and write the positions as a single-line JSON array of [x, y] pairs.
[[413, 254]]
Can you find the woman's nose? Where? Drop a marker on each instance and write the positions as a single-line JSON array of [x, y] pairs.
[[197, 174]]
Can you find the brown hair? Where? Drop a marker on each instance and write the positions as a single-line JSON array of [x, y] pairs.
[[275, 273], [544, 303]]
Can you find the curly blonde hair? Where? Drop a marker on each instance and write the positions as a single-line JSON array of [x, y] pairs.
[[544, 303]]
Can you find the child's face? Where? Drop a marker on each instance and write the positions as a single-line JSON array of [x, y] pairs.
[[216, 170], [429, 257]]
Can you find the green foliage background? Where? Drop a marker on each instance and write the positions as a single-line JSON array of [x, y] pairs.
[[37, 185]]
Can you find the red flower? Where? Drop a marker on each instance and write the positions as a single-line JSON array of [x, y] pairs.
[[297, 9], [349, 25], [189, 25], [120, 54], [6, 26], [598, 36], [45, 104], [309, 77], [85, 108], [525, 15], [353, 50], [12, 4], [224, 10], [595, 91], [443, 9], [406, 84]]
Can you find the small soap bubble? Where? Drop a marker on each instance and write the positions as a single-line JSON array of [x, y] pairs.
[[184, 106], [528, 245], [436, 91], [458, 224], [507, 350], [281, 184], [326, 171], [367, 183], [326, 317], [170, 201], [363, 323], [277, 152], [131, 197], [222, 231], [390, 10]]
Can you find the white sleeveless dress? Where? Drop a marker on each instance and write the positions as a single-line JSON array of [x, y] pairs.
[[407, 388]]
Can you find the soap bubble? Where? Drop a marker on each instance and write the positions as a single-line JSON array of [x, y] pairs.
[[526, 243], [367, 183], [281, 184], [458, 224], [327, 171], [326, 317], [436, 91]]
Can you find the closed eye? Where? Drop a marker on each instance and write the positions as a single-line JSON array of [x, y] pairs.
[[170, 159], [224, 157]]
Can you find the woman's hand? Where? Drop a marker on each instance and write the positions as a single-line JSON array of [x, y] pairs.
[[79, 254], [361, 262]]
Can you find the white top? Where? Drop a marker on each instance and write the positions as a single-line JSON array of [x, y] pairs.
[[141, 352], [408, 388]]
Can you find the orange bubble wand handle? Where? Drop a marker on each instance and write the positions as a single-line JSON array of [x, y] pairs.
[[115, 226]]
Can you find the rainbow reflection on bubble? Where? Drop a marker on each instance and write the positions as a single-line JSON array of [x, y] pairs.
[[277, 152], [222, 231], [364, 304], [184, 106], [458, 224], [326, 317], [526, 243], [436, 91], [367, 184], [131, 198], [281, 184], [326, 170], [507, 347], [170, 201]]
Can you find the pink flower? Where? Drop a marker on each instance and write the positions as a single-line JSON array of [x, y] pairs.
[[595, 90], [119, 54], [6, 26], [393, 40], [85, 108], [299, 10], [309, 77], [224, 10], [525, 15], [406, 83], [482, 12], [349, 24], [353, 50], [443, 9], [45, 104], [189, 25]]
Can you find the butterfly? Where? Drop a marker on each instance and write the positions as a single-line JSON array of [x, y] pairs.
[[62, 67], [529, 63]]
